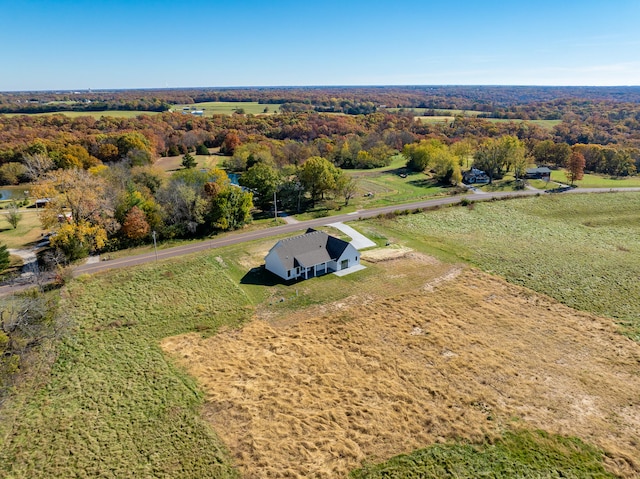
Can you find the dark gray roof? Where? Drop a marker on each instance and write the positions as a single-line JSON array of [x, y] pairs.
[[313, 247]]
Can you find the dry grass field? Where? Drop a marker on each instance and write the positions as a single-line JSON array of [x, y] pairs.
[[456, 355]]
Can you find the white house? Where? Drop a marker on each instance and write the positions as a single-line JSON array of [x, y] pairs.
[[312, 254]]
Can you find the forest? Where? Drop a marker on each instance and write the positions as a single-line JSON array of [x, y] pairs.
[[99, 173]]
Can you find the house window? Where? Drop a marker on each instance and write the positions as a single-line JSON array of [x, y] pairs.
[[344, 264]]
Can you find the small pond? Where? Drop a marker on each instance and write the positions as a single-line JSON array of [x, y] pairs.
[[13, 192]]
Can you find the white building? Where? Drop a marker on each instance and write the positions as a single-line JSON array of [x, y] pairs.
[[312, 254]]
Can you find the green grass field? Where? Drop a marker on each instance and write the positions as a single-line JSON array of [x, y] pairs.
[[517, 454], [114, 406], [583, 250], [26, 234], [598, 181], [228, 107]]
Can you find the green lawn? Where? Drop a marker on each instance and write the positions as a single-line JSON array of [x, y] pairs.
[[583, 250], [26, 234], [397, 161], [516, 455], [598, 181]]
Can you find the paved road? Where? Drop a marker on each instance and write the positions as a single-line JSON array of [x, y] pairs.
[[235, 238]]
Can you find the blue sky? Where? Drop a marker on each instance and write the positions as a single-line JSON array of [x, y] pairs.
[[49, 45]]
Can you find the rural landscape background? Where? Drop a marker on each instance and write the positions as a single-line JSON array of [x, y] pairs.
[[491, 155]]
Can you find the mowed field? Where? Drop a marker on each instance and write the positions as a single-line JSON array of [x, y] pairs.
[[210, 108], [206, 366]]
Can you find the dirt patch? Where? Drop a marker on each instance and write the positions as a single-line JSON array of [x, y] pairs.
[[383, 254], [463, 358]]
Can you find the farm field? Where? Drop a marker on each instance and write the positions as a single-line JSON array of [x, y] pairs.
[[210, 108], [462, 356], [228, 107], [548, 124], [198, 367], [93, 114], [583, 250]]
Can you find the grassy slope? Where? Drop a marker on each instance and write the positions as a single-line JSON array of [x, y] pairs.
[[583, 250], [521, 454], [114, 406]]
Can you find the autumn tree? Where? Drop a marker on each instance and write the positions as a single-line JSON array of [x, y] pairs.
[[249, 154], [130, 141], [230, 143], [135, 225], [230, 208], [446, 167], [12, 173], [79, 208], [263, 179], [496, 156], [464, 150], [346, 187], [575, 167], [552, 154], [318, 176]]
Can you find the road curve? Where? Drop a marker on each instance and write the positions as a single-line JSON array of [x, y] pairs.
[[236, 238]]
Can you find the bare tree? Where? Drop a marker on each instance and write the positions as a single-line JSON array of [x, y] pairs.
[[37, 165]]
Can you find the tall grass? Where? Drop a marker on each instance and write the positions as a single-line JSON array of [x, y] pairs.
[[583, 250], [114, 406]]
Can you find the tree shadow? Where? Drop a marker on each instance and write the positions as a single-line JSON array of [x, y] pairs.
[[423, 183], [260, 276]]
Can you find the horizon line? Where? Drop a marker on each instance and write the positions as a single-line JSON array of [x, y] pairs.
[[275, 87]]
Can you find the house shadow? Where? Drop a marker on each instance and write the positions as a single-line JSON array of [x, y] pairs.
[[260, 276]]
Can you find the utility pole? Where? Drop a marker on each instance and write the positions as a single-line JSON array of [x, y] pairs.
[[155, 247], [275, 207]]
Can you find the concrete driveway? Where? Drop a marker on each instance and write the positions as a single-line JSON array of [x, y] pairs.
[[358, 240]]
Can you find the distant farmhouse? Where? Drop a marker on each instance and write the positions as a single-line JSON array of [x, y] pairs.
[[540, 173], [312, 254], [475, 176]]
